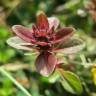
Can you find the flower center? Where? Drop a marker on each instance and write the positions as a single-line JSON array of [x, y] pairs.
[[43, 43], [44, 48], [43, 39]]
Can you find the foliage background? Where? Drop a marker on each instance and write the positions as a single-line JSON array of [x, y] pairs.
[[71, 13]]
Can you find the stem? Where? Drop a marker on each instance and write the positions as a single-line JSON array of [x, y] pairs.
[[86, 88], [8, 75]]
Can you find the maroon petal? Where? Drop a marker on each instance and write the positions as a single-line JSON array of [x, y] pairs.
[[64, 34], [42, 21], [71, 47], [23, 32], [18, 43], [45, 63], [35, 30]]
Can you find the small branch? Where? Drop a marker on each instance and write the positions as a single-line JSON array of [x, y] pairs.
[[8, 75]]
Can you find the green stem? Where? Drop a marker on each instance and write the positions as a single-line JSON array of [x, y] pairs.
[[8, 75]]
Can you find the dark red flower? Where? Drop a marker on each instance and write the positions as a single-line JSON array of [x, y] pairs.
[[44, 39]]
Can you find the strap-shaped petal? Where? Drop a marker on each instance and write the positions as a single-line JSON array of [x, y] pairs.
[[53, 22], [42, 21], [63, 34], [45, 63], [18, 43], [23, 32], [71, 47]]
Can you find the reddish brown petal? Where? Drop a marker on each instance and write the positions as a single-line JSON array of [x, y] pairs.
[[35, 30], [42, 21], [18, 43], [45, 63], [71, 47], [64, 34], [23, 32]]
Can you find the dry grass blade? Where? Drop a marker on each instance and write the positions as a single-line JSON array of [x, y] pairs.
[[15, 67]]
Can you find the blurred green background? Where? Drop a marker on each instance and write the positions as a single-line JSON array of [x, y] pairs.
[[81, 14]]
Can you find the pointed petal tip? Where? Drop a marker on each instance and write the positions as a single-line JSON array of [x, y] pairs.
[[40, 13], [72, 29], [15, 26], [44, 74], [53, 22]]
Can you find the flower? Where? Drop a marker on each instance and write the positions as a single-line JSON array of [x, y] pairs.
[[46, 40]]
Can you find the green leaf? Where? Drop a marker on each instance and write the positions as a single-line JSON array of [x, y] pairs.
[[54, 77], [70, 82]]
